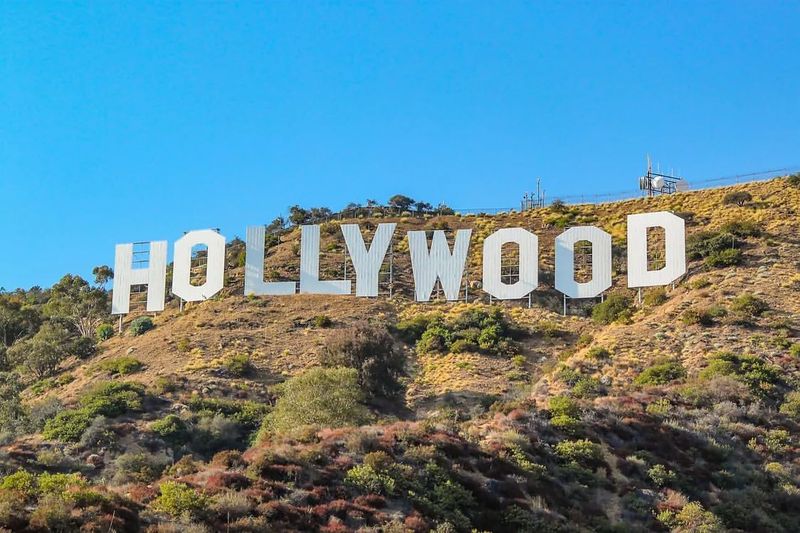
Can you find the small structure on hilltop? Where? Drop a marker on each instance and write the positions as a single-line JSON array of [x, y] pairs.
[[531, 201], [656, 183]]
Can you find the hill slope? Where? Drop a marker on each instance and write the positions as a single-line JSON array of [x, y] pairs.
[[678, 414]]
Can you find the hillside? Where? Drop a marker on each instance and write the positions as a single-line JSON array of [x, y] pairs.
[[679, 414]]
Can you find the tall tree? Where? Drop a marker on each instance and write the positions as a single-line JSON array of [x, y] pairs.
[[102, 275], [401, 202], [75, 301], [17, 320]]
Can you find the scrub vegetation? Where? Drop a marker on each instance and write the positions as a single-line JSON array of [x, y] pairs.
[[322, 413]]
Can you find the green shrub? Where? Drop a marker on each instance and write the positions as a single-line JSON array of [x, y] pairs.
[[366, 479], [748, 306], [699, 283], [791, 405], [411, 329], [655, 297], [177, 499], [565, 423], [67, 425], [329, 397], [741, 228], [758, 375], [717, 249], [141, 325], [108, 399], [616, 307], [777, 440], [694, 316], [435, 339], [582, 451], [794, 180], [691, 518], [563, 406], [172, 429], [322, 321], [20, 481], [661, 374], [660, 475], [249, 414], [104, 332], [598, 352], [120, 366], [59, 483], [586, 387], [659, 407], [139, 467], [724, 258], [239, 365], [113, 398]]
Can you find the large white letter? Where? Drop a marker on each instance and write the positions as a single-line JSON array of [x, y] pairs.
[[215, 265], [565, 262], [528, 263], [367, 263], [309, 266], [438, 262], [154, 276], [675, 253], [254, 267]]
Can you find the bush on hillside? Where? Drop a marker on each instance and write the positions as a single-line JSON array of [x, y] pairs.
[[477, 329], [104, 332], [172, 429], [238, 365], [760, 376], [616, 307], [141, 325], [120, 366], [661, 374], [329, 397], [749, 306], [179, 499], [794, 180], [370, 351], [737, 198], [110, 399]]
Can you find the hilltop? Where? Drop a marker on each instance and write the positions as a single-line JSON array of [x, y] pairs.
[[680, 413]]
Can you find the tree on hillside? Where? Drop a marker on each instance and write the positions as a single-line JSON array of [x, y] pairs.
[[298, 215], [72, 299], [17, 320], [102, 275], [42, 354], [401, 202], [369, 350], [739, 198], [422, 207]]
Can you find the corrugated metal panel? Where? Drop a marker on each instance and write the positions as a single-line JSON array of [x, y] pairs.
[[154, 276], [675, 249], [565, 262], [528, 263], [215, 265], [309, 266], [254, 267], [367, 263], [438, 262]]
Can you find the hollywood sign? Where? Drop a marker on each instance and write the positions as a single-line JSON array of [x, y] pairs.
[[429, 263]]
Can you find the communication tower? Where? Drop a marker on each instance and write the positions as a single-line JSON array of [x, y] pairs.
[[657, 183], [531, 201]]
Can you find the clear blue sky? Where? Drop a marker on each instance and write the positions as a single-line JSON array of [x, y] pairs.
[[136, 121]]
